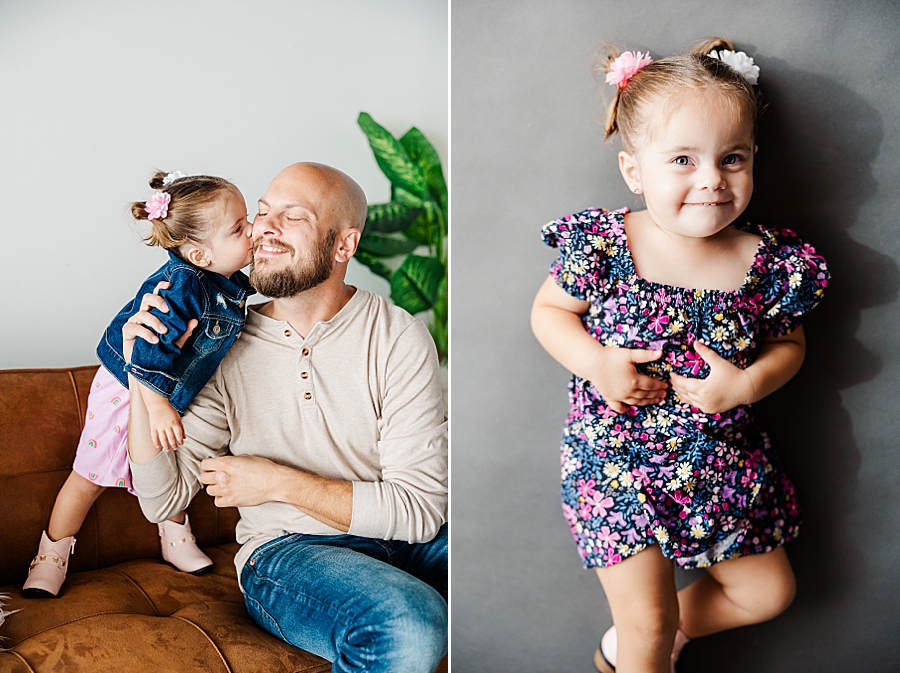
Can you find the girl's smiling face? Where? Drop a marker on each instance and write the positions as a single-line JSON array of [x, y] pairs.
[[695, 170]]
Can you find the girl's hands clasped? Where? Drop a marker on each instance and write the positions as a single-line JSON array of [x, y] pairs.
[[726, 387], [613, 375]]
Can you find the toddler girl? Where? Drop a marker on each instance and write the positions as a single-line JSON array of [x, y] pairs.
[[202, 222], [674, 320]]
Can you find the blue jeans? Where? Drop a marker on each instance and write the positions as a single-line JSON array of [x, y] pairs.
[[363, 604]]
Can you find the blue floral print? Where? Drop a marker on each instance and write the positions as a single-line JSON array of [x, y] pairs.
[[705, 487]]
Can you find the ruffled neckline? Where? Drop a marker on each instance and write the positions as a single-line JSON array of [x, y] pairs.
[[633, 276]]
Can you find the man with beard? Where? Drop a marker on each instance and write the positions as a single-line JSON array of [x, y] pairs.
[[324, 425]]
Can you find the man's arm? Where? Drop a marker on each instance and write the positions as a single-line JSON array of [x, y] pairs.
[[244, 481], [408, 503]]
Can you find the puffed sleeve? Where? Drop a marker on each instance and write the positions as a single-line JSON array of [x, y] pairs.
[[585, 241], [797, 278]]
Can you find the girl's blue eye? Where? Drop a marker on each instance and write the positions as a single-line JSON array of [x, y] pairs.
[[682, 161]]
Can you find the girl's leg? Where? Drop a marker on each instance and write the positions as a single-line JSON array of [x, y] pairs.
[[737, 592], [72, 505], [641, 594]]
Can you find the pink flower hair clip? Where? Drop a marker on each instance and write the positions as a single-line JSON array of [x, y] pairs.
[[157, 206], [626, 66]]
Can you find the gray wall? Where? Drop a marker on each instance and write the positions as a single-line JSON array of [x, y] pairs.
[[527, 147], [95, 94]]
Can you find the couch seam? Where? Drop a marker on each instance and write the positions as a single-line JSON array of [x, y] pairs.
[[71, 621], [139, 588], [211, 642], [22, 659], [81, 412]]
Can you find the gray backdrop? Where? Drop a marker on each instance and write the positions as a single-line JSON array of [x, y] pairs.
[[528, 147]]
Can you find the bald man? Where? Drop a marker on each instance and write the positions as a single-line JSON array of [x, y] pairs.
[[324, 425]]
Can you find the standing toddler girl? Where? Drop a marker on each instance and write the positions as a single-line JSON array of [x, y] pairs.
[[202, 222], [674, 320]]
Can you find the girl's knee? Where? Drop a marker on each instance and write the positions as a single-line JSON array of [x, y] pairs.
[[653, 624]]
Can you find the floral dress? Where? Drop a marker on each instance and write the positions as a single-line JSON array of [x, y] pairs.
[[705, 487]]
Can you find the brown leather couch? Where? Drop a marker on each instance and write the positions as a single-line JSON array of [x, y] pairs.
[[122, 608]]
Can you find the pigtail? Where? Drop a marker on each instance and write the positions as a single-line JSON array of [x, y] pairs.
[[156, 182], [711, 43], [601, 67]]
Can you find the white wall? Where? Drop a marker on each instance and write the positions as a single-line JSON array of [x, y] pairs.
[[95, 94]]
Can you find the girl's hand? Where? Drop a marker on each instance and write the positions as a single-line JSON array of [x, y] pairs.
[[165, 427], [726, 387], [613, 374]]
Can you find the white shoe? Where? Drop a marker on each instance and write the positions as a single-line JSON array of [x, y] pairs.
[[605, 656], [48, 569], [179, 547]]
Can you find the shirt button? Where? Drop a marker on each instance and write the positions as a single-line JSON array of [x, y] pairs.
[[287, 332], [307, 396], [305, 351], [304, 375]]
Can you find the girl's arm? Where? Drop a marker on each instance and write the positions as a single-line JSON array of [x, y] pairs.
[[727, 386], [556, 322], [166, 429]]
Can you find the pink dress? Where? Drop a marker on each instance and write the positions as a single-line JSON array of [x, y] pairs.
[[102, 455]]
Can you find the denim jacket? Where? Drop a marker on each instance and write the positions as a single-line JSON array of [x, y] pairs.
[[219, 304]]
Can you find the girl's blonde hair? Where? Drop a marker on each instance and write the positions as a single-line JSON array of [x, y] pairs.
[[670, 78], [189, 217]]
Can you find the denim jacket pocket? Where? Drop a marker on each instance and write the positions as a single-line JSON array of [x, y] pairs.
[[214, 334]]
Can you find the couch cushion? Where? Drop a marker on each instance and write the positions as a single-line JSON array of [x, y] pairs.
[[144, 615]]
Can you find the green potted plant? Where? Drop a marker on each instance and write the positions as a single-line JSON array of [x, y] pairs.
[[411, 226]]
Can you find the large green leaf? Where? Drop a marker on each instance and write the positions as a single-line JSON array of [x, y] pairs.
[[415, 285], [422, 231], [400, 195], [438, 328], [392, 158], [374, 264], [389, 217], [423, 153], [385, 245]]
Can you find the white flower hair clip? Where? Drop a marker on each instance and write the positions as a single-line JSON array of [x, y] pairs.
[[738, 61], [172, 177]]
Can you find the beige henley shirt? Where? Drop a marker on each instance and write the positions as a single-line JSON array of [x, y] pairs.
[[359, 400]]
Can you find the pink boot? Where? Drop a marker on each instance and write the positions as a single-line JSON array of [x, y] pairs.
[[48, 569], [179, 547]]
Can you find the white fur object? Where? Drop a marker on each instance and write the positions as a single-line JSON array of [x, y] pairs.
[[4, 613]]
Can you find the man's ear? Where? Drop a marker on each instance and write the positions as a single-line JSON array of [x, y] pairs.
[[347, 242], [196, 256], [629, 169]]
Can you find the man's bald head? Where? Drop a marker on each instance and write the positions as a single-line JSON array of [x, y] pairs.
[[340, 196]]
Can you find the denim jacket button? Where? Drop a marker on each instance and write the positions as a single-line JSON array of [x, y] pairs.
[[241, 304], [216, 329]]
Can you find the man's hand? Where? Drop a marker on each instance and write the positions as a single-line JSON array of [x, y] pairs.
[[726, 387], [240, 481], [138, 324]]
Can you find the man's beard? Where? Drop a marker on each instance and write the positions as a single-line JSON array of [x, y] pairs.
[[301, 275]]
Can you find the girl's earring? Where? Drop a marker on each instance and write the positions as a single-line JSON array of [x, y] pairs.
[[636, 190]]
